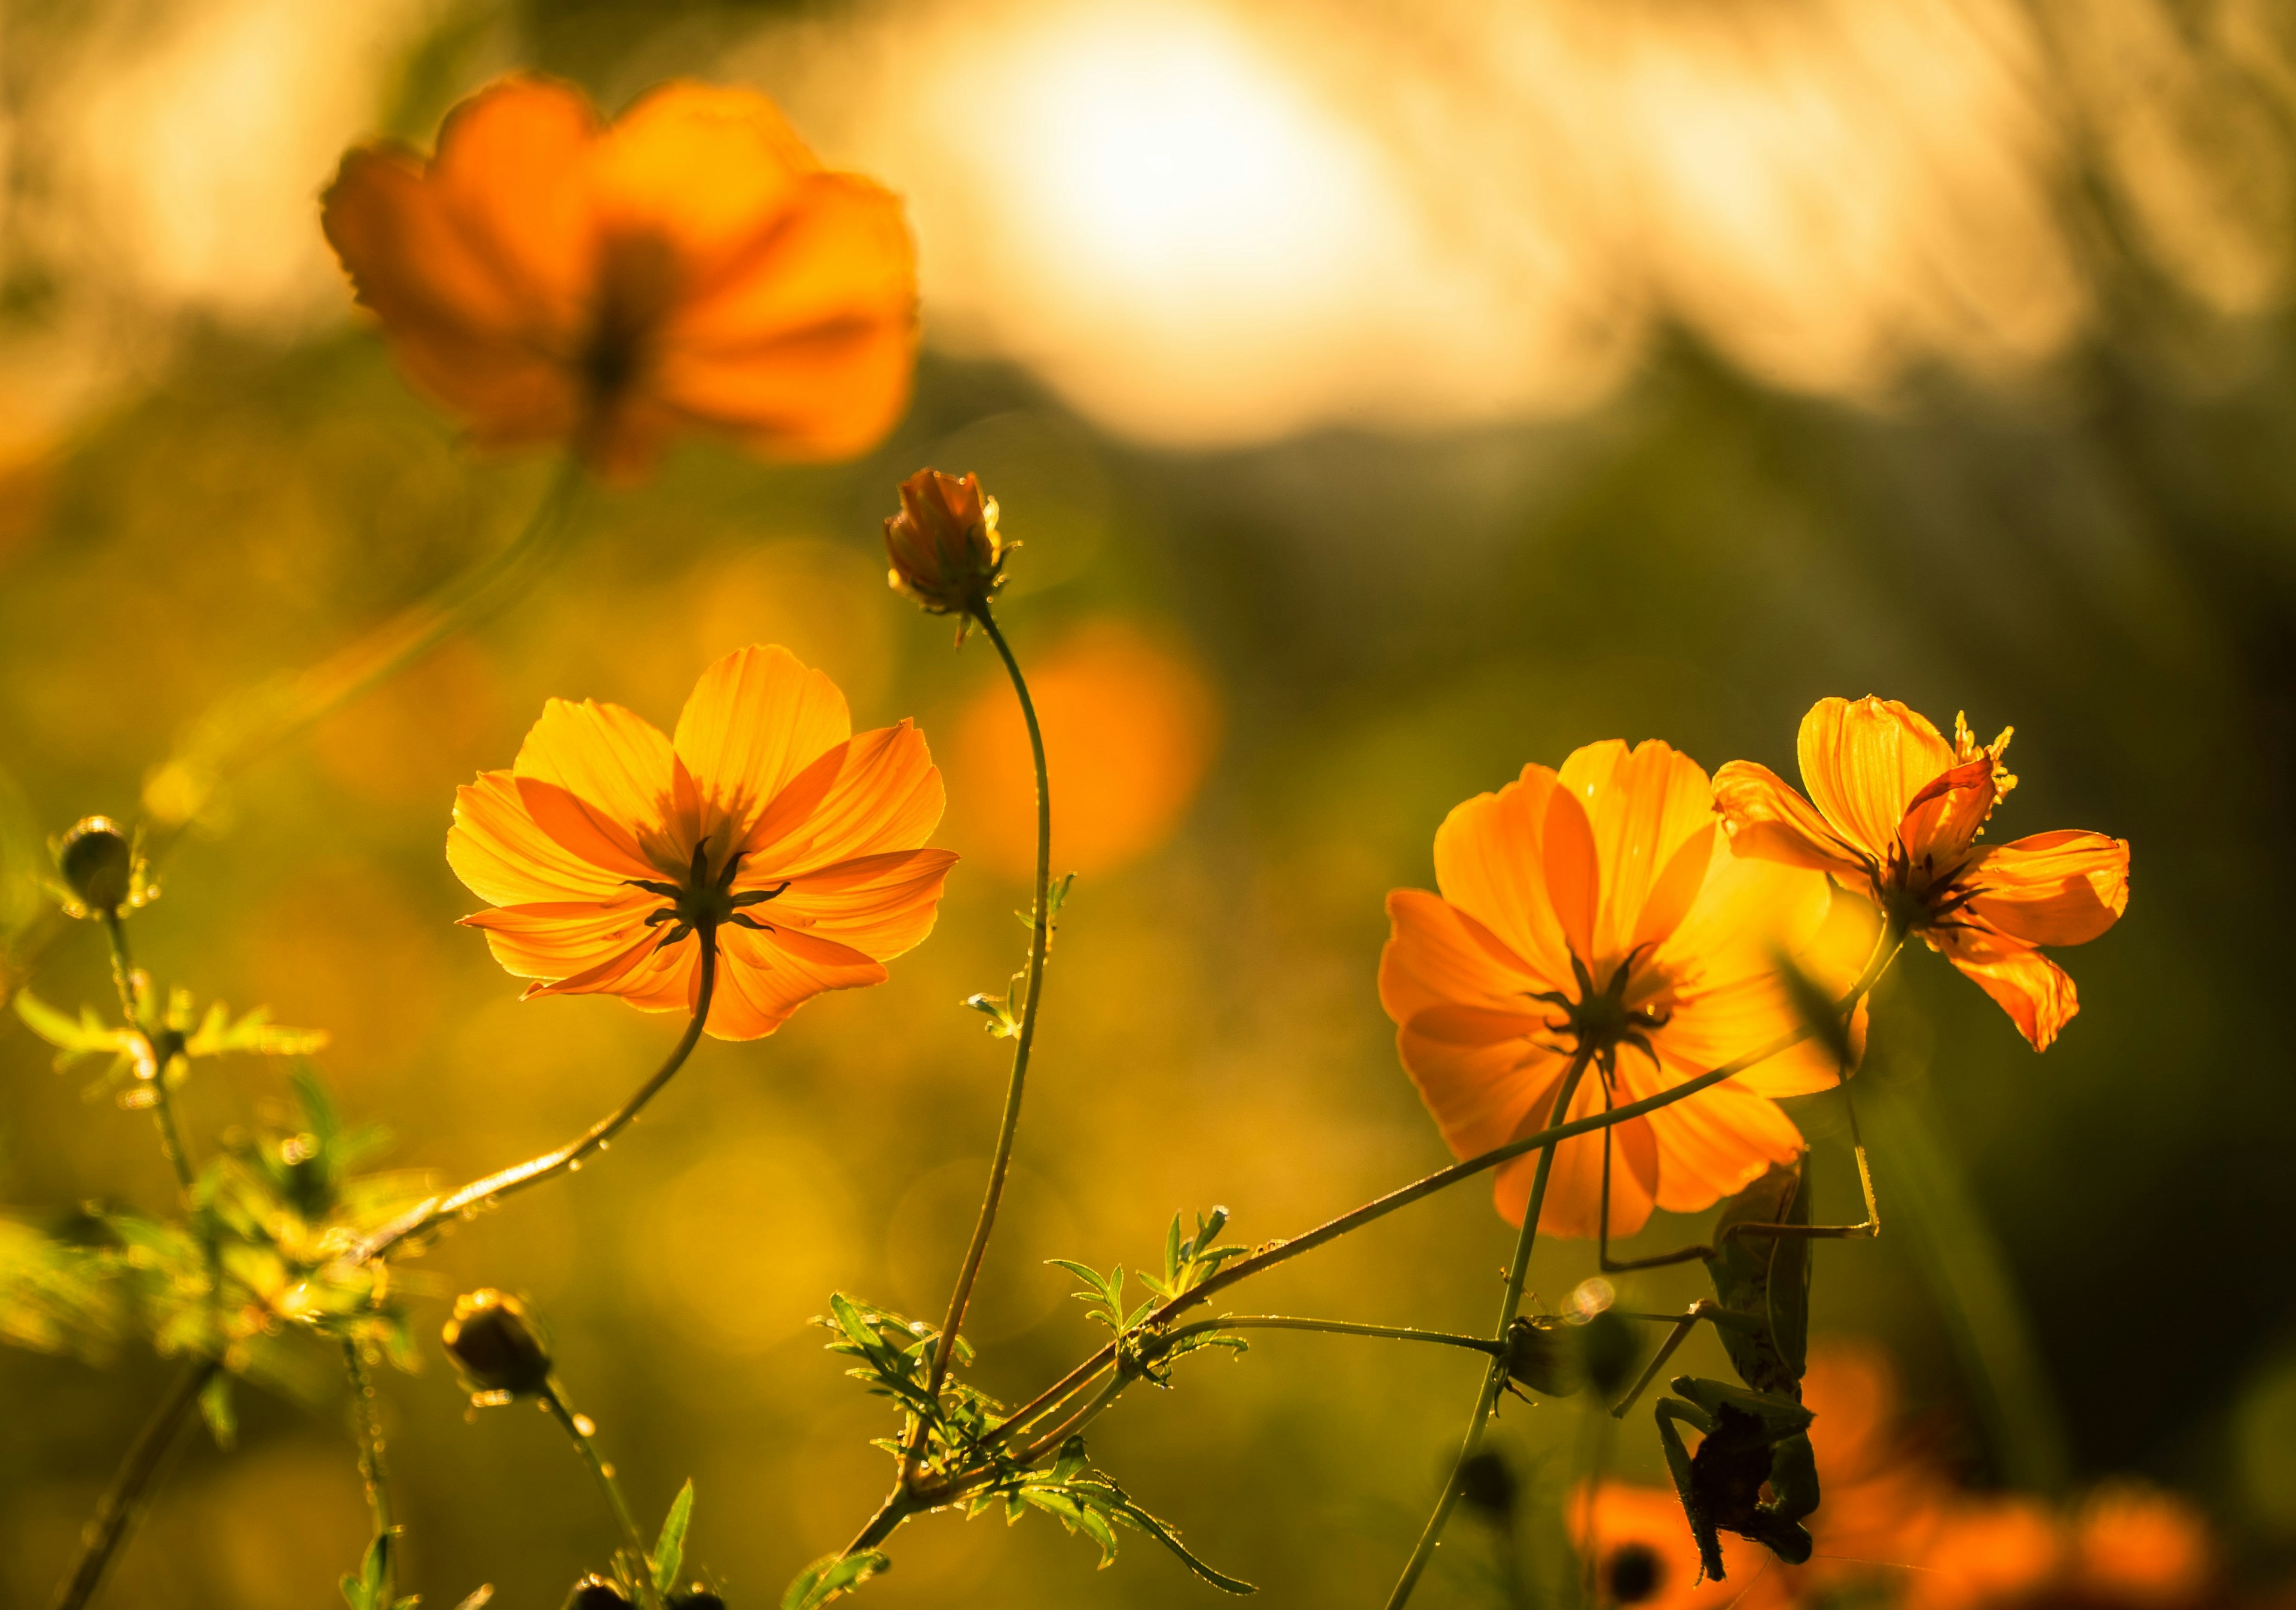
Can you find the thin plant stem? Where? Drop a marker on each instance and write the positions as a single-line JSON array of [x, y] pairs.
[[247, 724], [1496, 1377], [1039, 937], [428, 1215], [1339, 1327], [163, 1104], [123, 1499], [367, 1425], [1355, 1219], [585, 1436]]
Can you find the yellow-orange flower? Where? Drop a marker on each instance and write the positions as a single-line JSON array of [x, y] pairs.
[[1894, 811], [553, 278], [944, 545], [797, 844], [1599, 908]]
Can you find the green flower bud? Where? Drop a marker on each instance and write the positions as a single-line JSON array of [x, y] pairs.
[[1486, 1485], [98, 865], [494, 1341], [1609, 1349]]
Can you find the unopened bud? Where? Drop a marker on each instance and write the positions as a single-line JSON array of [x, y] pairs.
[[596, 1593], [696, 1597], [946, 552], [1609, 1348], [98, 865], [495, 1342], [1487, 1486]]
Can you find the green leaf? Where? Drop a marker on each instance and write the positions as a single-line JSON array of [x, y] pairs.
[[1172, 1251], [365, 1591], [669, 1548], [832, 1575], [479, 1599], [87, 1035], [1069, 1462], [1105, 1495], [215, 1408]]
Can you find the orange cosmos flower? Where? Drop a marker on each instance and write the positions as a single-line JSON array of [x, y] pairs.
[[796, 845], [691, 265], [1598, 909], [947, 554], [1896, 817]]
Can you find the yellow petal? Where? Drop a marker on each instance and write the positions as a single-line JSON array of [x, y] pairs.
[[1489, 864], [2059, 888], [1864, 761], [1766, 819], [607, 780], [1644, 805], [755, 719]]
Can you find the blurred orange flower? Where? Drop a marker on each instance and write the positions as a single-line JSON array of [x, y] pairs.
[[1599, 908], [1896, 817], [765, 820], [1644, 1557], [1130, 728], [691, 265]]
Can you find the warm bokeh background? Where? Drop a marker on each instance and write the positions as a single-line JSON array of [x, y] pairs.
[[1386, 394]]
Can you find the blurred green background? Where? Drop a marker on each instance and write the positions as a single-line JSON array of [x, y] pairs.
[[1305, 576]]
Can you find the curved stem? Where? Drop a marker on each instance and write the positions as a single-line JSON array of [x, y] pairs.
[[1495, 1377], [1884, 953], [245, 725], [367, 1424], [1339, 1327], [437, 1209], [1040, 930], [163, 1104], [113, 1514], [584, 1435]]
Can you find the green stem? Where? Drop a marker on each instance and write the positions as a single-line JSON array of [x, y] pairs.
[[117, 1510], [1339, 1327], [1039, 937], [163, 1106], [247, 724], [428, 1215], [1495, 1377], [366, 1424], [584, 1433]]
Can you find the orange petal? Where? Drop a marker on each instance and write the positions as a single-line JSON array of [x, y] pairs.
[[510, 173], [806, 346], [701, 166], [607, 779], [1717, 1143], [886, 795], [1768, 820], [1644, 805], [505, 859], [1944, 818], [1864, 761], [1574, 1188], [879, 905], [2062, 888], [762, 978], [1574, 876], [2032, 988], [608, 976], [1489, 863], [1437, 955], [755, 719]]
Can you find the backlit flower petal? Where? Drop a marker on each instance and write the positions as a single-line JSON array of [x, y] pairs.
[[2054, 888], [1488, 863], [1768, 819], [1863, 761], [1644, 805], [879, 904], [1944, 818], [601, 781], [1718, 1142], [755, 719], [765, 977], [506, 859], [1438, 955], [1574, 1188], [1574, 875], [887, 794], [2035, 991]]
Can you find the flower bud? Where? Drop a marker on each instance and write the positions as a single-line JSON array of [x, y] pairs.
[[696, 1597], [494, 1340], [595, 1593], [1487, 1487], [98, 865], [945, 553], [1610, 1352]]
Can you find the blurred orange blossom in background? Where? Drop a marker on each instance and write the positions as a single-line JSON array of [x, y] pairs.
[[1897, 812], [1606, 883], [1130, 725], [795, 845], [1895, 1526], [689, 266]]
